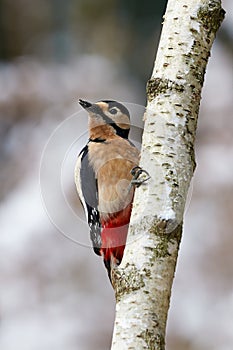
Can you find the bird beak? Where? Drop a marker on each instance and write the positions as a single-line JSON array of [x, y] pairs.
[[85, 104]]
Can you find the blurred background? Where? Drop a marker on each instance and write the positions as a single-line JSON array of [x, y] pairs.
[[55, 293]]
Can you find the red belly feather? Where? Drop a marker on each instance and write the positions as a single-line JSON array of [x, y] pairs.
[[114, 235]]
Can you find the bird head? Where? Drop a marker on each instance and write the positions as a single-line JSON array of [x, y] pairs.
[[111, 114]]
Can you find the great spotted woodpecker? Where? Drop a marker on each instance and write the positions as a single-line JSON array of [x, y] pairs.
[[106, 173]]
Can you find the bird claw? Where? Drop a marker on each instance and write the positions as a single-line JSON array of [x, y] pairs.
[[137, 171]]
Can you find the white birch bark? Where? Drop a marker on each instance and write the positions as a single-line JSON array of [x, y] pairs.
[[143, 281]]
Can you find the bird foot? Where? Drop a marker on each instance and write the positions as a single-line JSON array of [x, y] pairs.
[[139, 176]]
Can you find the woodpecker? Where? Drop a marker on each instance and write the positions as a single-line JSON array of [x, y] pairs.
[[106, 174]]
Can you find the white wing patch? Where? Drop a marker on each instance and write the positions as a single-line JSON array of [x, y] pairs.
[[77, 179]]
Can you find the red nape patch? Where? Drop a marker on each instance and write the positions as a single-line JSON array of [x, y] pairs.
[[114, 234]]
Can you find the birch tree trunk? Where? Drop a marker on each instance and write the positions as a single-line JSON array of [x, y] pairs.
[[143, 281]]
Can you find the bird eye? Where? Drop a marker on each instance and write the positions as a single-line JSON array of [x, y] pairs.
[[113, 111]]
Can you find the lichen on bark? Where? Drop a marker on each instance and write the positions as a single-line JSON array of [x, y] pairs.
[[157, 86], [211, 15]]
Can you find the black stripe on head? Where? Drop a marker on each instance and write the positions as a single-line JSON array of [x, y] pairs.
[[124, 133], [119, 105], [119, 131]]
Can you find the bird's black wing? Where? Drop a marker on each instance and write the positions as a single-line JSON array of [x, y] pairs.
[[88, 183]]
